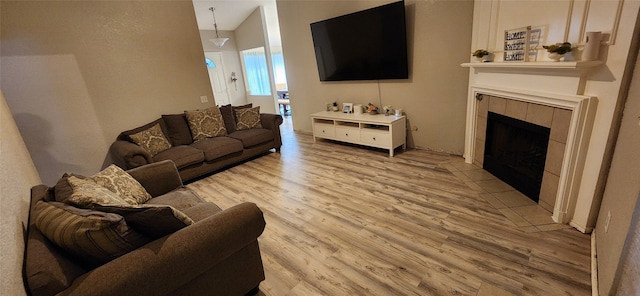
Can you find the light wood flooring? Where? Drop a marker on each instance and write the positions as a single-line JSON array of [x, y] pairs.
[[348, 220]]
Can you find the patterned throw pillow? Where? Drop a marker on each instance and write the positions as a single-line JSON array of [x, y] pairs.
[[207, 123], [94, 236], [248, 118], [63, 189], [87, 194], [121, 183], [151, 220], [152, 140]]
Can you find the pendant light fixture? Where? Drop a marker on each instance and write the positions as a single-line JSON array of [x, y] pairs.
[[218, 41]]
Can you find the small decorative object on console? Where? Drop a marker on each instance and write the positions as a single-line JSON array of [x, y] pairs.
[[335, 106], [372, 109], [387, 110], [347, 107]]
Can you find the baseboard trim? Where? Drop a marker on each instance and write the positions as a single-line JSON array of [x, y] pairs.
[[594, 265]]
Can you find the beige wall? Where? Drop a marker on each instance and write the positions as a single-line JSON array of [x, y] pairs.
[[17, 176], [434, 96], [621, 194], [75, 74]]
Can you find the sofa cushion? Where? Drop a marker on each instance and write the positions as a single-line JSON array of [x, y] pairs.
[[188, 202], [87, 194], [229, 117], [181, 199], [151, 140], [178, 129], [202, 211], [247, 118], [218, 147], [151, 220], [252, 137], [121, 183], [182, 156], [205, 123], [93, 236]]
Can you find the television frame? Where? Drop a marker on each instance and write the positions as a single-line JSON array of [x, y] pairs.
[[337, 61]]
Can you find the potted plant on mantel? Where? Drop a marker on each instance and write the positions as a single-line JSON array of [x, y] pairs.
[[558, 50], [482, 55]]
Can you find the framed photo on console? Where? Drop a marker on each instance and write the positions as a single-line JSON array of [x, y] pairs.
[[347, 107]]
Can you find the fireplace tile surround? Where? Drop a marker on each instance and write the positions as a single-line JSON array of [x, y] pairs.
[[570, 119], [557, 119]]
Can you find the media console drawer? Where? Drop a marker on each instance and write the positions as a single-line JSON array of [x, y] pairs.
[[380, 131], [324, 130], [349, 134], [376, 139]]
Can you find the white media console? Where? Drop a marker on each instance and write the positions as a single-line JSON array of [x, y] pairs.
[[380, 131]]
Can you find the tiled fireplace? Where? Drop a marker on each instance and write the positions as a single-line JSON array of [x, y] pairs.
[[554, 118], [567, 116]]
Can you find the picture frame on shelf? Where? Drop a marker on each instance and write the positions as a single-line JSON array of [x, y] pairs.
[[347, 107]]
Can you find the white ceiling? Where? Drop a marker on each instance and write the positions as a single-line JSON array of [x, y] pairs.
[[229, 13]]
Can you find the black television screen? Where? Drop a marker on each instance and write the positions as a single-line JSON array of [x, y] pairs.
[[365, 45]]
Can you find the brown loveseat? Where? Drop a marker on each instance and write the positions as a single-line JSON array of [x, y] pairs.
[[196, 158], [216, 255]]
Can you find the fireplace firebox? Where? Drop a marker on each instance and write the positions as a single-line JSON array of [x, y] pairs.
[[515, 152]]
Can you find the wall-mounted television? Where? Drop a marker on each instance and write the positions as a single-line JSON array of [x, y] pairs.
[[365, 45]]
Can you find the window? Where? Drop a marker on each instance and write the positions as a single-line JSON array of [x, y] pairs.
[[210, 63], [255, 65], [278, 70]]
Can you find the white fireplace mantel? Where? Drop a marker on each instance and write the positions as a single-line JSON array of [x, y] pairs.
[[568, 77], [532, 66]]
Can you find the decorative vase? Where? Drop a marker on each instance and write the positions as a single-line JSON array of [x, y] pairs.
[[592, 46], [335, 108], [554, 56], [373, 112]]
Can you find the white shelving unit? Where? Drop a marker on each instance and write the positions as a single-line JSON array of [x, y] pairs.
[[380, 131]]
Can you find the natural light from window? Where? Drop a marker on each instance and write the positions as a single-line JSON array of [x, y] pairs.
[[255, 65]]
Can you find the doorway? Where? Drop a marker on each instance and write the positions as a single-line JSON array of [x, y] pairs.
[[217, 76]]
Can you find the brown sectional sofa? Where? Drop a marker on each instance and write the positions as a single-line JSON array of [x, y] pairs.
[[217, 255], [196, 158]]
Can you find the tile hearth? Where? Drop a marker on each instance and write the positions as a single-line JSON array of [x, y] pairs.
[[519, 209]]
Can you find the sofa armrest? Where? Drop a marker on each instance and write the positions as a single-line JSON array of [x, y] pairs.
[[172, 261], [157, 178], [128, 155], [272, 122]]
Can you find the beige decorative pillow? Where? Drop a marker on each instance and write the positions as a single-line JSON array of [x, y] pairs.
[[152, 220], [121, 183], [207, 123], [248, 118], [152, 140], [94, 236], [87, 194]]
